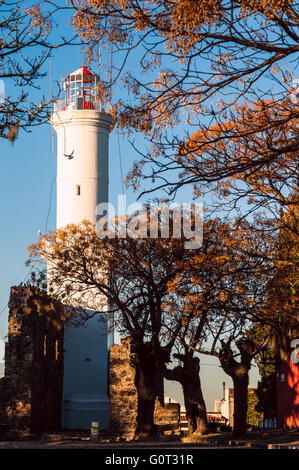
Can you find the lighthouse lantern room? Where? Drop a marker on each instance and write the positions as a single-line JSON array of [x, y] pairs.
[[79, 91]]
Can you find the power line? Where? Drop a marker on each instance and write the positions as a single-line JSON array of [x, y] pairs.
[[120, 164], [51, 88], [50, 203], [1, 311]]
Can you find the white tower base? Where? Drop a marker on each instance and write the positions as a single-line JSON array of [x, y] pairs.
[[79, 411], [85, 387]]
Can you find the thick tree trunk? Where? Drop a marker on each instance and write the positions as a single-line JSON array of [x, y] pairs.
[[188, 376], [145, 417], [149, 383], [240, 404], [238, 371], [195, 405]]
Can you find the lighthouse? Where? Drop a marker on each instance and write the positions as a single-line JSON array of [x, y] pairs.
[[82, 129]]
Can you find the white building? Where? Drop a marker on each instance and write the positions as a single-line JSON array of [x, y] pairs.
[[225, 406], [82, 128]]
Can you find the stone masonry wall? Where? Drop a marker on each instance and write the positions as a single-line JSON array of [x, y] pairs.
[[167, 415], [122, 390], [31, 390], [123, 395]]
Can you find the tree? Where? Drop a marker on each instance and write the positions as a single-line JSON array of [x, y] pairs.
[[166, 296], [132, 274], [215, 293], [150, 314], [237, 40], [283, 286], [25, 46], [225, 291], [266, 395], [281, 311], [224, 67], [187, 373], [246, 157], [253, 415], [238, 371], [200, 290]]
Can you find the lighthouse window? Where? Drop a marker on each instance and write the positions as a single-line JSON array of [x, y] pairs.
[[45, 345], [78, 190], [56, 350]]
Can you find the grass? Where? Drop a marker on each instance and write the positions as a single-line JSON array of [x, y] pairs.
[[263, 436]]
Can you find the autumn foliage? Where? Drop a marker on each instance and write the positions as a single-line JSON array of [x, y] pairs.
[[222, 70], [173, 302], [26, 45]]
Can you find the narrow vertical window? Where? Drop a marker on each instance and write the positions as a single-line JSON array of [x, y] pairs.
[[45, 345], [56, 350], [78, 190]]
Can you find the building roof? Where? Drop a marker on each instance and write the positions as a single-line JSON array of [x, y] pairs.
[[83, 70]]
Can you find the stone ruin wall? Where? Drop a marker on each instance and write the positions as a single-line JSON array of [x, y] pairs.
[[31, 390], [168, 416], [122, 391], [123, 396]]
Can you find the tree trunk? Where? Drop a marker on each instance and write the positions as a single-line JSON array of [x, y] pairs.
[[149, 383], [188, 376], [238, 371], [194, 401], [196, 415], [240, 404], [145, 416]]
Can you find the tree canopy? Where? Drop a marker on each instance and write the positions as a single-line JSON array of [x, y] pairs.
[[223, 68], [172, 301], [25, 46]]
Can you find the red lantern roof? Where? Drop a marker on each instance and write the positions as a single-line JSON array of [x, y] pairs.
[[83, 70]]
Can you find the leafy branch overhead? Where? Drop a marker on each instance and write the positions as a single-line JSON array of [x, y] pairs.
[[25, 47], [224, 70]]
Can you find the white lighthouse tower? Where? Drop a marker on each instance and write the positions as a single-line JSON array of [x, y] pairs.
[[82, 128]]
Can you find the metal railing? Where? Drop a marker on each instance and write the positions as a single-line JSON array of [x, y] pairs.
[[78, 103]]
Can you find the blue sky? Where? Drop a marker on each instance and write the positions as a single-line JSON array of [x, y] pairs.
[[27, 169]]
